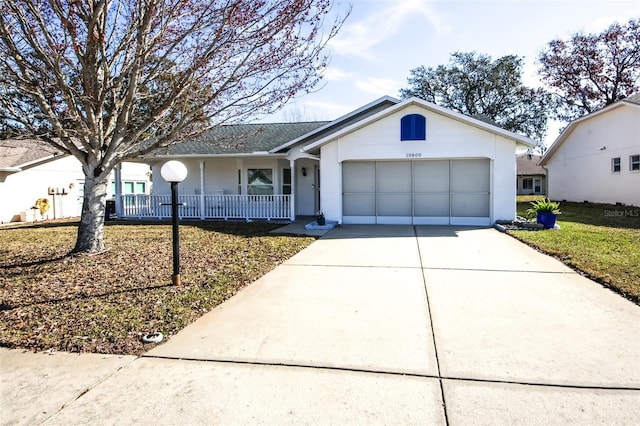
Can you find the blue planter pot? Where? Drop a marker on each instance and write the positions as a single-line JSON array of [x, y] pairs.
[[548, 220]]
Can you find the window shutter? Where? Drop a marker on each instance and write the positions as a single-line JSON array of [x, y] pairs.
[[413, 127]]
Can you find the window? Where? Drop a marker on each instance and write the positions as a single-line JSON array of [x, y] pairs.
[[615, 165], [129, 187], [286, 181], [260, 181], [413, 127], [527, 183], [634, 163], [239, 182]]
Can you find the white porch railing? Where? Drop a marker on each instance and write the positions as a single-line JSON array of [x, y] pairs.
[[208, 206]]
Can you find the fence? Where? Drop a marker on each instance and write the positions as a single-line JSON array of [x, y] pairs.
[[208, 206]]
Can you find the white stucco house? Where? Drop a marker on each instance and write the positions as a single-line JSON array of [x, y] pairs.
[[30, 170], [388, 162], [597, 157]]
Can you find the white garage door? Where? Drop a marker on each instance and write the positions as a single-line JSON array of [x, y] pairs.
[[421, 192]]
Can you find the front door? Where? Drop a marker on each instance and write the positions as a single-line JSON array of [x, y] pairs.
[[537, 186]]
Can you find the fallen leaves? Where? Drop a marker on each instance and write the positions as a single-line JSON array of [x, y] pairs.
[[50, 299]]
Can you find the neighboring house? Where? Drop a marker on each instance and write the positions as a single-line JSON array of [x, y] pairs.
[[387, 162], [531, 177], [597, 157], [31, 169]]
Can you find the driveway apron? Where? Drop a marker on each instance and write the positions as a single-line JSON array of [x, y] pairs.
[[354, 299]]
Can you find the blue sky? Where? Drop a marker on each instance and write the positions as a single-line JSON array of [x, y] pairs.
[[383, 40]]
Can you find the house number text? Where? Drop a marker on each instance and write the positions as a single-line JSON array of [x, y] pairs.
[[414, 154]]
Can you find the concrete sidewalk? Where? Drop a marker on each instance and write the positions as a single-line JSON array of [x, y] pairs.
[[368, 325]]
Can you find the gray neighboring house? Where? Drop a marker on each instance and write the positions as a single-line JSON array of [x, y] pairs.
[[532, 178]]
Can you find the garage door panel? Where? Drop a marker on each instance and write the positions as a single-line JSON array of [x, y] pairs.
[[394, 204], [359, 177], [359, 204], [470, 205], [431, 176], [449, 191], [470, 175], [393, 176], [431, 205]]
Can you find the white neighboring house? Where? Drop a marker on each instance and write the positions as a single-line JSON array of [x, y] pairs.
[[390, 161], [30, 170], [597, 157]]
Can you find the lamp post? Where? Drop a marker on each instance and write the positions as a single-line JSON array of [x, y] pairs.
[[174, 172]]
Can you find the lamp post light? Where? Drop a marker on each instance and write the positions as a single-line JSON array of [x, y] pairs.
[[174, 172]]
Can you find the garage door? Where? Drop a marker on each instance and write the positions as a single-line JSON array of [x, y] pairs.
[[421, 192]]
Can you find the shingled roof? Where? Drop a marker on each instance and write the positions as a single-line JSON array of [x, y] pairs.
[[527, 164], [16, 153], [241, 139]]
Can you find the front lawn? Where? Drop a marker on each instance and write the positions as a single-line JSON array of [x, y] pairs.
[[105, 303], [600, 240]]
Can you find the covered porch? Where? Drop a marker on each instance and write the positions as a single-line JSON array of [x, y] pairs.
[[256, 187], [234, 172]]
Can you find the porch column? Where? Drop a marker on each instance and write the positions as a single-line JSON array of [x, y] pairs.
[[202, 212], [118, 195], [292, 209]]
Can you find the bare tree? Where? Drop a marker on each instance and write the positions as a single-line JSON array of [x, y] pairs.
[[109, 80], [590, 71]]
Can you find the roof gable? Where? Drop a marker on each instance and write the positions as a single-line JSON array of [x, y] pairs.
[[628, 102], [522, 140]]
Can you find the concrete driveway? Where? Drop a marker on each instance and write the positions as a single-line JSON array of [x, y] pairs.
[[370, 325]]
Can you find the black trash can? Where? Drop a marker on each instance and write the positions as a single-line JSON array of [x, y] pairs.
[[110, 210]]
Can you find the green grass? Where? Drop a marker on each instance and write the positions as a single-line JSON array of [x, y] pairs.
[[104, 303], [600, 240]]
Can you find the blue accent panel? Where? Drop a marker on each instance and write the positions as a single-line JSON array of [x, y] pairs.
[[413, 127]]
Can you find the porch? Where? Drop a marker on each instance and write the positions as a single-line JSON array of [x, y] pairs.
[[269, 207]]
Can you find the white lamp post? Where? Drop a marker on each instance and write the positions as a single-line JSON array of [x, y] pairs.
[[174, 172]]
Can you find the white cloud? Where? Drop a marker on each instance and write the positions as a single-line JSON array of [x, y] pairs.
[[378, 86], [335, 74], [359, 37]]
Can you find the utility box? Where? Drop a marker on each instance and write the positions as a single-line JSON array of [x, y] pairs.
[[110, 210]]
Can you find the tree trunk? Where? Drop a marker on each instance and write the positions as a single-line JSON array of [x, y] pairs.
[[91, 230]]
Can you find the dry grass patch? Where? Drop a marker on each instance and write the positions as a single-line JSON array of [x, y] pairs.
[[105, 303]]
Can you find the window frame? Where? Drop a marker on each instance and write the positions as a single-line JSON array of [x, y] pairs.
[[616, 168], [287, 181], [250, 185], [634, 163]]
